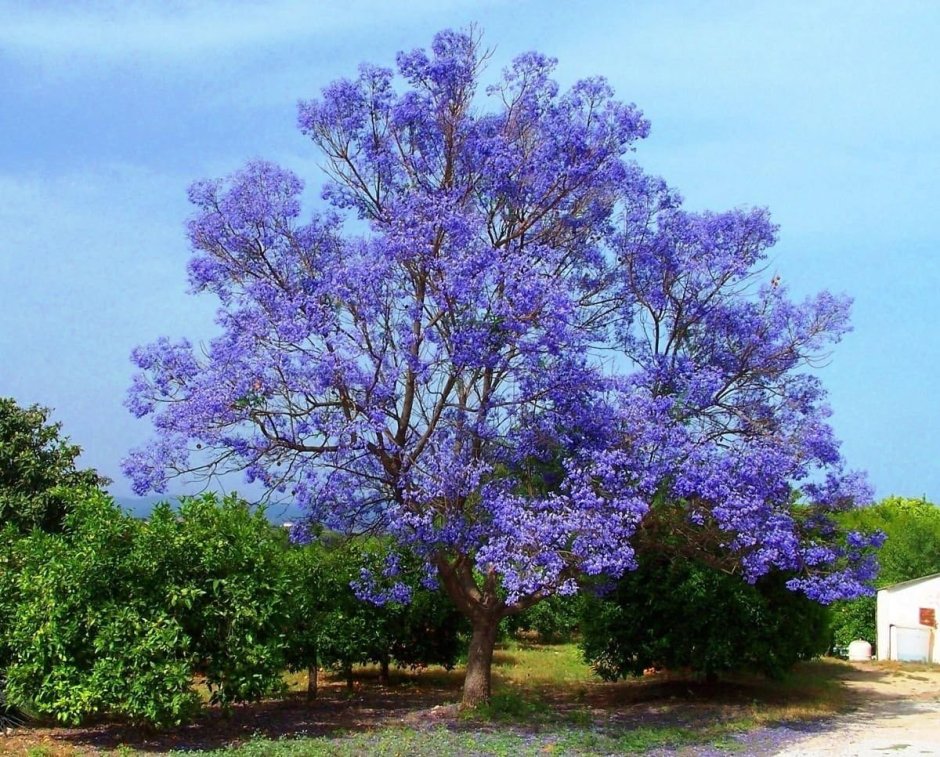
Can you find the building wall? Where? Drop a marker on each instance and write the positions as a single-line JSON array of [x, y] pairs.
[[900, 607]]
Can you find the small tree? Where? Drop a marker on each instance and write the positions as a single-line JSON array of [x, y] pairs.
[[38, 474], [346, 630], [116, 616], [555, 620], [531, 342], [218, 564], [328, 624], [419, 625], [9, 568], [88, 635], [679, 614]]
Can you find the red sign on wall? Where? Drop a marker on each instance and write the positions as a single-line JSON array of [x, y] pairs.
[[928, 616]]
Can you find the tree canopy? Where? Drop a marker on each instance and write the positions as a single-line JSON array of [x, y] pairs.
[[912, 531], [911, 528], [520, 344], [38, 475], [682, 614]]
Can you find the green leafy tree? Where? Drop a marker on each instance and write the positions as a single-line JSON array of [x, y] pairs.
[[9, 567], [331, 626], [117, 616], [8, 601], [218, 564], [911, 550], [89, 634], [681, 613], [39, 479], [555, 620], [351, 630], [428, 630]]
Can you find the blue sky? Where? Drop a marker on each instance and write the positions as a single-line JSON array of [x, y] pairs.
[[826, 112]]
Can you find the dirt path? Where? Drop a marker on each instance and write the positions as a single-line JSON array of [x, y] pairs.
[[898, 713]]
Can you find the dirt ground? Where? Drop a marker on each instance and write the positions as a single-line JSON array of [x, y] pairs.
[[898, 712], [333, 711], [895, 709]]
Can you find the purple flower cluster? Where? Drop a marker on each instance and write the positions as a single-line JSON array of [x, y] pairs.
[[531, 344], [383, 588]]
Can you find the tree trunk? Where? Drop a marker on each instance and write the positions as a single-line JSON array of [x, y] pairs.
[[477, 683], [312, 673], [384, 676], [348, 670]]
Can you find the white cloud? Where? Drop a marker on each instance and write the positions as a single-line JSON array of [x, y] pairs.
[[169, 30]]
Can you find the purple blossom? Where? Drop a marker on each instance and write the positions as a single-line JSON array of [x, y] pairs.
[[530, 344]]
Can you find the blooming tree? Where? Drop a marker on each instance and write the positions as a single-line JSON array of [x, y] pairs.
[[520, 350]]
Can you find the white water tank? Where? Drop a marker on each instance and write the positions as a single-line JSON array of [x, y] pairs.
[[859, 651]]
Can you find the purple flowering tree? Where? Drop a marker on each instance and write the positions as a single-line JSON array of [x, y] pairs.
[[503, 344]]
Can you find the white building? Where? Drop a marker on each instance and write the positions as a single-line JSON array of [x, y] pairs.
[[907, 620]]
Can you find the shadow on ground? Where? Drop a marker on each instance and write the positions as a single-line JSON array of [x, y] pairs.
[[428, 699]]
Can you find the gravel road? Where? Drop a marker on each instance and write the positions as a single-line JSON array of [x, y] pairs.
[[898, 713]]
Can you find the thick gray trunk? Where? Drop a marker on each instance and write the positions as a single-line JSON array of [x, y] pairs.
[[477, 685]]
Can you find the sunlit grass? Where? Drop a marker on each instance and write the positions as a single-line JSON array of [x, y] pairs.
[[534, 674], [506, 743], [540, 665]]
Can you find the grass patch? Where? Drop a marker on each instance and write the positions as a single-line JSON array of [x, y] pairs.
[[814, 690], [644, 739], [502, 743], [547, 701], [904, 668], [541, 665], [508, 706], [389, 742]]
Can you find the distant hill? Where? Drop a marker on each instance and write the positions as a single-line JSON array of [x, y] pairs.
[[141, 507]]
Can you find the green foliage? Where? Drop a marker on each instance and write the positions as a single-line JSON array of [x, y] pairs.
[[911, 550], [912, 528], [8, 603], [330, 626], [38, 478], [429, 630], [117, 615], [9, 568], [677, 613], [555, 620], [507, 705], [219, 568], [853, 620], [84, 636]]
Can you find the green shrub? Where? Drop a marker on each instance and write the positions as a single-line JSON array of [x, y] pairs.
[[677, 613], [78, 591], [330, 626], [218, 565], [116, 615], [555, 619], [119, 617]]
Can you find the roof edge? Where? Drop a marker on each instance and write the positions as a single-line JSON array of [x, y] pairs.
[[909, 582]]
